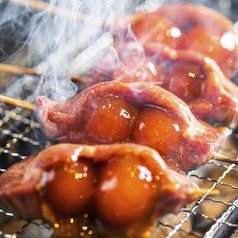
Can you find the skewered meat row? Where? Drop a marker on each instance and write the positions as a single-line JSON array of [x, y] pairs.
[[194, 27], [116, 112], [199, 82], [191, 76], [113, 190]]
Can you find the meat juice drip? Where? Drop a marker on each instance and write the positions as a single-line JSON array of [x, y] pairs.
[[109, 119], [73, 227], [160, 130], [184, 79]]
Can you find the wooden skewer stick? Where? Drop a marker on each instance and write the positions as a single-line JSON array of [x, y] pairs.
[[53, 9], [203, 191], [224, 158], [18, 103], [22, 70]]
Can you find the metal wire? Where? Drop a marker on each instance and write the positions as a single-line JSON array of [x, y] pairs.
[[18, 139], [10, 118]]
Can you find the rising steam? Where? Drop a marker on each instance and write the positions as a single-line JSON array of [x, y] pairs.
[[52, 41]]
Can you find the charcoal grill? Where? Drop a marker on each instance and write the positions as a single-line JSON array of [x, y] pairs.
[[21, 135]]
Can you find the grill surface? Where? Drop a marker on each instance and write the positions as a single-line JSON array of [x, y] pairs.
[[21, 135]]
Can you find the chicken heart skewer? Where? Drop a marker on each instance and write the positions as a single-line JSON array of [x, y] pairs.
[[191, 76], [33, 107], [194, 27], [114, 190], [117, 112], [199, 82]]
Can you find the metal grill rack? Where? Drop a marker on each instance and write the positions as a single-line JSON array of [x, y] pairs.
[[210, 216]]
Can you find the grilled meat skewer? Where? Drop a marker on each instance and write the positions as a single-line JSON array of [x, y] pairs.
[[193, 77], [114, 190], [117, 112], [194, 27]]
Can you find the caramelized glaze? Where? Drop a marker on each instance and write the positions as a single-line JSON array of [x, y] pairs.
[[68, 189], [158, 129], [157, 28], [216, 43], [109, 119], [185, 79], [125, 192]]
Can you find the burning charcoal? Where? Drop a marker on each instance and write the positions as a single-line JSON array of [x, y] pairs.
[[107, 190], [116, 112]]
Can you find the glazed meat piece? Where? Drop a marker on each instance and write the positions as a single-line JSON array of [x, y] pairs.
[[116, 112], [197, 80], [152, 27], [195, 27], [193, 77], [126, 63], [112, 190]]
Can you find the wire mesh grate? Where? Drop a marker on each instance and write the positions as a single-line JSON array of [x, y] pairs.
[[21, 136], [209, 216]]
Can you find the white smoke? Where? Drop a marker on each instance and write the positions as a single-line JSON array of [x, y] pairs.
[[53, 38]]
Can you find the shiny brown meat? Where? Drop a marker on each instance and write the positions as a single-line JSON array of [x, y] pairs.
[[190, 75], [195, 27], [116, 112], [197, 80], [112, 190]]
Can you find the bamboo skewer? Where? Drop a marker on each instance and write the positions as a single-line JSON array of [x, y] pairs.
[[55, 10], [224, 158], [203, 191], [18, 103], [22, 70]]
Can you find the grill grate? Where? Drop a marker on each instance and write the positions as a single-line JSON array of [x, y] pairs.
[[210, 216], [21, 135]]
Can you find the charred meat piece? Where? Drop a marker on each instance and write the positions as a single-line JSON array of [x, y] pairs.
[[116, 112], [195, 27], [113, 190]]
